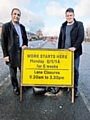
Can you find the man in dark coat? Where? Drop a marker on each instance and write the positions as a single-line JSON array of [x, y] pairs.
[[71, 37], [13, 40]]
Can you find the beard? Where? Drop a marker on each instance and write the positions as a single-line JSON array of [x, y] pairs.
[[17, 22]]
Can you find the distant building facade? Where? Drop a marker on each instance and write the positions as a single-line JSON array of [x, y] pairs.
[[31, 35], [39, 33]]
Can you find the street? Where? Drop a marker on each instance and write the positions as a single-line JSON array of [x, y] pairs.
[[42, 107], [84, 79]]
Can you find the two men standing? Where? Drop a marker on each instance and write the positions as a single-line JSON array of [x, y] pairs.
[[14, 39]]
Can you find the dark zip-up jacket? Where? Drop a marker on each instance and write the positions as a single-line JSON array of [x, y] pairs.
[[76, 35]]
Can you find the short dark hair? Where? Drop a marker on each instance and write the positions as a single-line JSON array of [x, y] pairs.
[[70, 10], [15, 9]]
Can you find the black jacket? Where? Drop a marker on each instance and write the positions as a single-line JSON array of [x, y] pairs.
[[77, 37], [10, 42]]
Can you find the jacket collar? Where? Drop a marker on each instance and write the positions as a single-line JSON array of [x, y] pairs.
[[65, 23], [13, 28]]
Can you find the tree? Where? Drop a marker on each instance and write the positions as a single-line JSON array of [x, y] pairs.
[[87, 35]]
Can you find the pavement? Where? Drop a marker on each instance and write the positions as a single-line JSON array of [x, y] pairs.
[[4, 71], [41, 107], [48, 107]]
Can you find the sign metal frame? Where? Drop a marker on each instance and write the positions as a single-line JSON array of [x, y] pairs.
[[58, 62]]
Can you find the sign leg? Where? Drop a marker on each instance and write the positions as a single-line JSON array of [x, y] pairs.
[[73, 95], [20, 93]]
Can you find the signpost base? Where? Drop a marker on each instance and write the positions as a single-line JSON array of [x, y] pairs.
[[67, 91]]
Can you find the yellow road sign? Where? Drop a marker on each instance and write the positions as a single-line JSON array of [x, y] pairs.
[[47, 67]]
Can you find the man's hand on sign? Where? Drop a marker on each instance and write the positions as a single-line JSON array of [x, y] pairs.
[[24, 46], [6, 59], [72, 49]]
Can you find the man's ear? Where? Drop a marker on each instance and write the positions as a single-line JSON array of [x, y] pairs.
[[74, 15]]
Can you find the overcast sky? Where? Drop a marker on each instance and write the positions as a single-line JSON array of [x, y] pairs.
[[47, 15]]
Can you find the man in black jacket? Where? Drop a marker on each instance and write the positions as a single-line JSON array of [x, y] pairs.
[[13, 40], [71, 37]]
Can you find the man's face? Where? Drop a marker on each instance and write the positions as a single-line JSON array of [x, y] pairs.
[[16, 16], [69, 17]]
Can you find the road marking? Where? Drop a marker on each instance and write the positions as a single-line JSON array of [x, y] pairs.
[[85, 100]]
